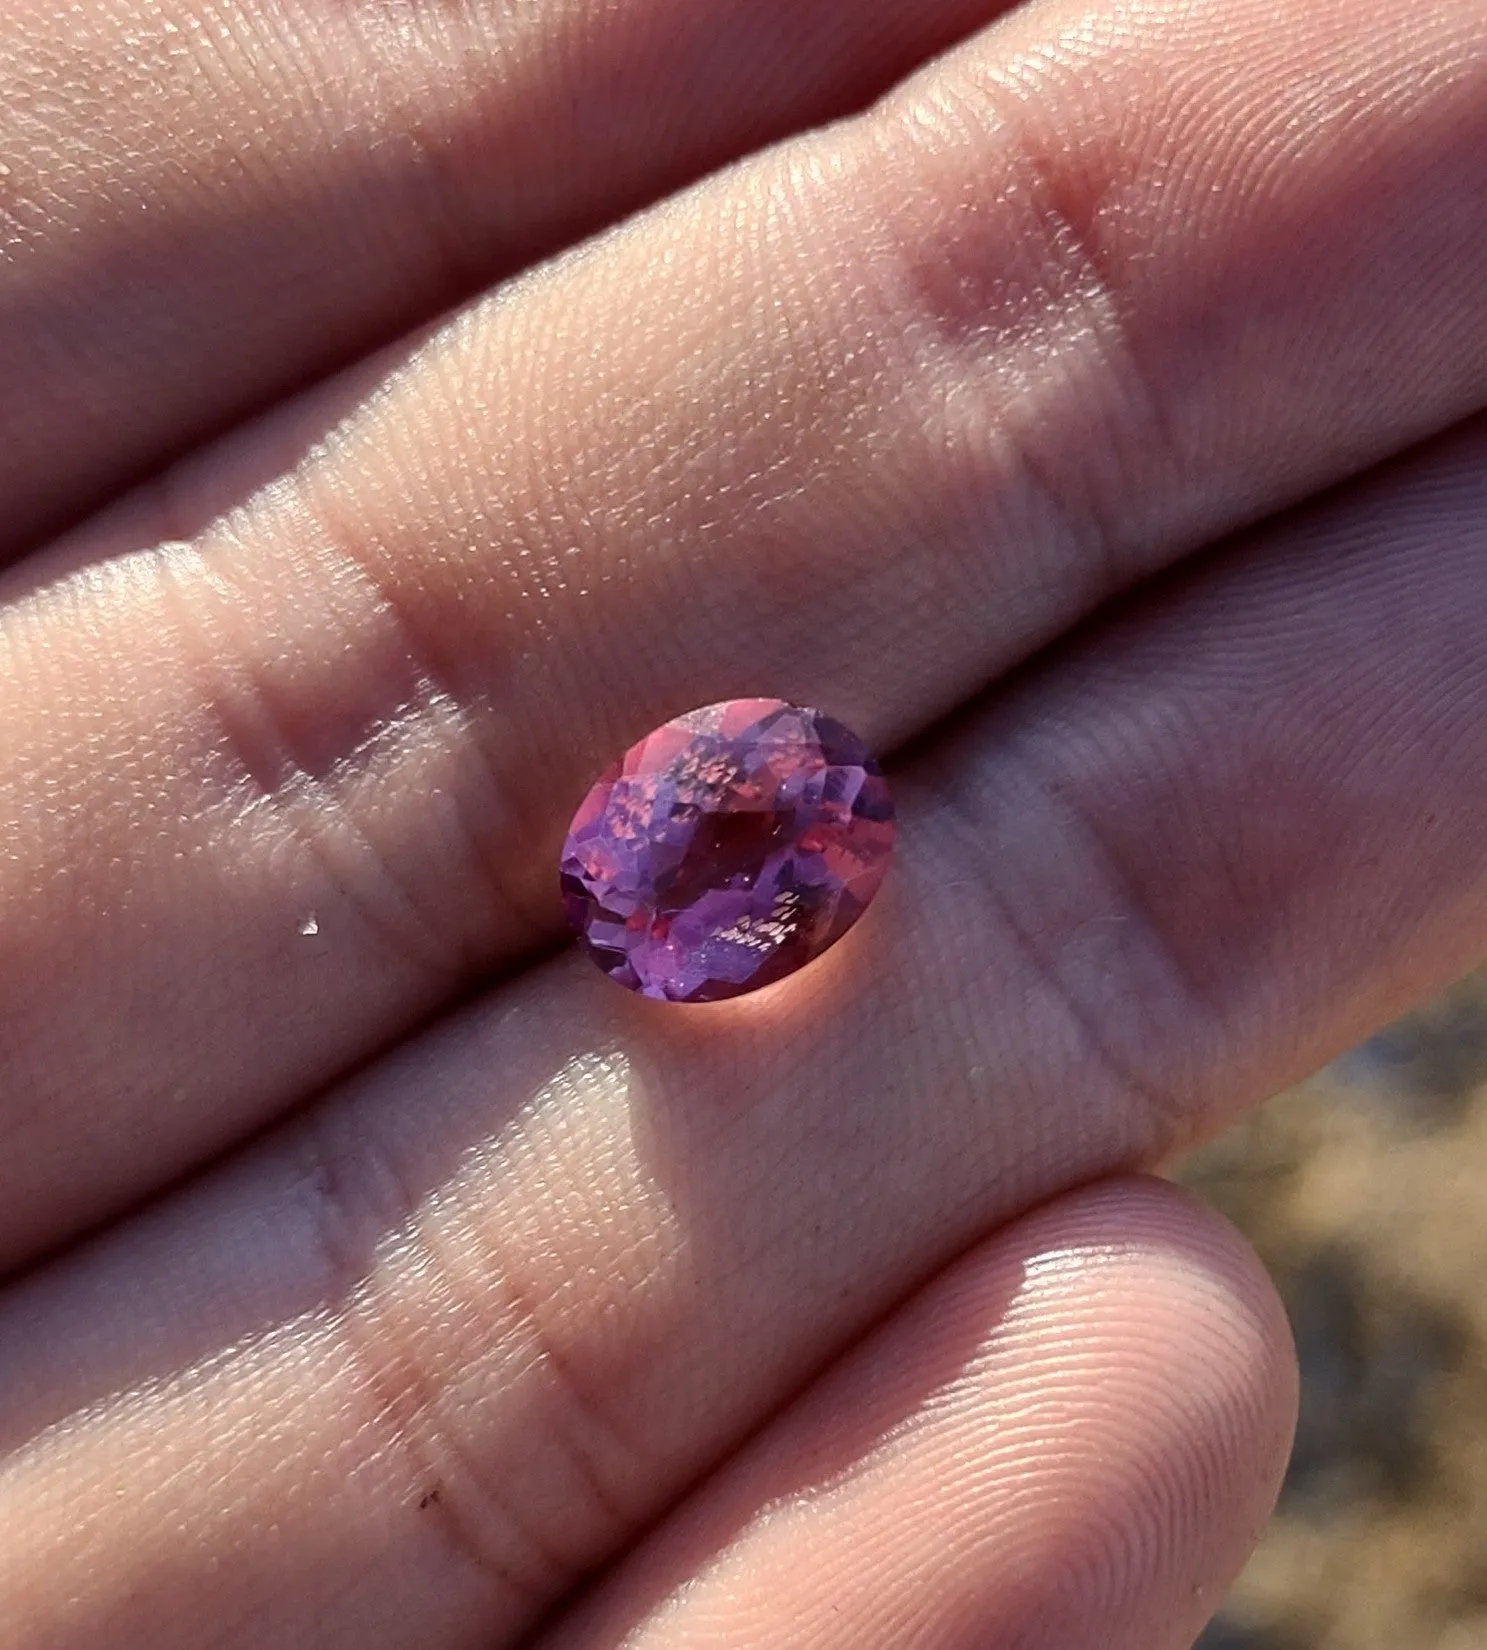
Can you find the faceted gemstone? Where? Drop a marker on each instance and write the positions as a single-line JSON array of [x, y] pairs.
[[726, 849]]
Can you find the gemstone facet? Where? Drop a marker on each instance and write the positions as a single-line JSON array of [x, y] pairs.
[[726, 849]]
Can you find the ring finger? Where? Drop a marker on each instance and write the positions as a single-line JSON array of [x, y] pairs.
[[465, 1328]]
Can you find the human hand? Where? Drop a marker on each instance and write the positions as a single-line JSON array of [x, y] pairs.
[[428, 1272]]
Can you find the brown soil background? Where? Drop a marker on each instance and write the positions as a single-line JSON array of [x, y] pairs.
[[1365, 1192]]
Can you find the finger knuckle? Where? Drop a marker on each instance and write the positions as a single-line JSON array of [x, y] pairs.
[[1142, 1032], [1010, 264], [473, 1383], [349, 767]]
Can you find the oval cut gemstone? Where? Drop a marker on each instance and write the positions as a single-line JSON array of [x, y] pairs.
[[726, 849]]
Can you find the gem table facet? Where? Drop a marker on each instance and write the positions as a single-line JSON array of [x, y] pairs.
[[726, 849]]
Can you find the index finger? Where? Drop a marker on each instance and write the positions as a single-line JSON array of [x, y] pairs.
[[205, 203]]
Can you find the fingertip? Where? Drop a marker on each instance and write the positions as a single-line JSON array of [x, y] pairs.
[[1075, 1433]]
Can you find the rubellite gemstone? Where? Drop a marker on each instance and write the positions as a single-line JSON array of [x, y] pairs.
[[726, 849]]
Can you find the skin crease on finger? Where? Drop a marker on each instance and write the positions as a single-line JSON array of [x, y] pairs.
[[901, 402], [1067, 1440], [415, 1364], [206, 203]]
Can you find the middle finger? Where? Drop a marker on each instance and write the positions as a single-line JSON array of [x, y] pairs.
[[859, 424]]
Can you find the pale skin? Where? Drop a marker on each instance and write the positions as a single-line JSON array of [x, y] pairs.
[[1078, 402]]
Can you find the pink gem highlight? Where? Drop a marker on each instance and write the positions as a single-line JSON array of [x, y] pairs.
[[727, 849]]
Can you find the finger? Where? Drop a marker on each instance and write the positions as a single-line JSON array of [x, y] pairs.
[[204, 204], [1069, 1439], [900, 403], [463, 1330]]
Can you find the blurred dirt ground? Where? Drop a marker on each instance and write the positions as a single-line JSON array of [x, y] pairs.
[[1365, 1191]]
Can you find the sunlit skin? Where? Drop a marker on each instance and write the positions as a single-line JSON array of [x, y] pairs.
[[1086, 404]]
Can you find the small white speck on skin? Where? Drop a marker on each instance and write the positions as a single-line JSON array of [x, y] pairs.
[[310, 926]]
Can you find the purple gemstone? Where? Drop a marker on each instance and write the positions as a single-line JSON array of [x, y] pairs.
[[726, 849]]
